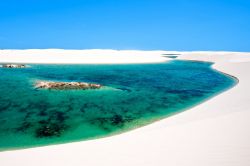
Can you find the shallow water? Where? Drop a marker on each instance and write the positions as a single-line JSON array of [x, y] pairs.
[[134, 95]]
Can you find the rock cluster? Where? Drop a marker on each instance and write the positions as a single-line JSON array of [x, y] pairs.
[[13, 66], [66, 85]]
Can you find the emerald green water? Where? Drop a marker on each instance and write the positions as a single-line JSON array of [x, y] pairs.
[[134, 95]]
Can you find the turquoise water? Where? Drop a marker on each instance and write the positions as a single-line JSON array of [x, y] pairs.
[[134, 95]]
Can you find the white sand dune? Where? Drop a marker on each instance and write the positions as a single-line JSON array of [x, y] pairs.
[[93, 56], [214, 133]]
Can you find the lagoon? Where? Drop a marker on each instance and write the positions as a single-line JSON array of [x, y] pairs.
[[134, 95]]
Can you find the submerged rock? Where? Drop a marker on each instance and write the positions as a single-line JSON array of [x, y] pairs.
[[66, 85], [13, 66], [50, 130]]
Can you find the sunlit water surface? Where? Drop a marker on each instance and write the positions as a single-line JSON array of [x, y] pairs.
[[134, 95]]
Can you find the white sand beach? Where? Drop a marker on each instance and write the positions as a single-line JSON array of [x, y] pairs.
[[214, 133]]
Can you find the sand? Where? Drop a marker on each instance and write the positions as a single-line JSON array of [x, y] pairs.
[[214, 133], [60, 56]]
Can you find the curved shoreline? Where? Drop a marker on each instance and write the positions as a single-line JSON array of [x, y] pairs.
[[42, 84], [189, 138]]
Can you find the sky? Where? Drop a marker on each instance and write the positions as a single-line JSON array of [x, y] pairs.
[[181, 25]]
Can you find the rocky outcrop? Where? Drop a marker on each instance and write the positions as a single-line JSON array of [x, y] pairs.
[[13, 66], [66, 85]]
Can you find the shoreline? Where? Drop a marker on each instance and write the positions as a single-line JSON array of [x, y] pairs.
[[211, 133], [134, 128]]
